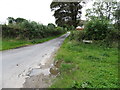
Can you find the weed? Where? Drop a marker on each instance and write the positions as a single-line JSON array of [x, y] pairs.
[[87, 66]]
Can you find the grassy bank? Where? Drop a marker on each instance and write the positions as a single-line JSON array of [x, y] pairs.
[[86, 66], [8, 43]]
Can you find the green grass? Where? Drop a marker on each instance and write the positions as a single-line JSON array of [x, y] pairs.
[[8, 43], [86, 66]]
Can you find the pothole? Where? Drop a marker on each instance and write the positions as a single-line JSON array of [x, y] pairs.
[[52, 70], [42, 77], [38, 71]]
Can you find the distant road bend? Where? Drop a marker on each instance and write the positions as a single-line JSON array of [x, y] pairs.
[[16, 63]]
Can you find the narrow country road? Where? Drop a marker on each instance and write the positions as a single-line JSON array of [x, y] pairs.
[[17, 63]]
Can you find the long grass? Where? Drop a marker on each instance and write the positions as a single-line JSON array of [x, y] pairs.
[[11, 43], [87, 66]]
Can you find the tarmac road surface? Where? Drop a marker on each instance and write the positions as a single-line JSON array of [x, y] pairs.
[[16, 63]]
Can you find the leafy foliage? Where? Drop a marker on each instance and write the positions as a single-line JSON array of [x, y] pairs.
[[12, 20], [117, 17], [66, 12], [102, 10], [97, 29], [77, 35], [87, 66], [10, 43], [103, 23], [30, 30]]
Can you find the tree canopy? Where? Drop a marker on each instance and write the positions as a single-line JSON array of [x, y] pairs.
[[102, 10], [12, 20], [117, 15], [68, 13]]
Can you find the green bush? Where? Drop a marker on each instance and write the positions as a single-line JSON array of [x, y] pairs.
[[9, 31], [68, 27], [59, 30], [77, 35], [102, 33], [112, 38], [97, 29], [30, 30]]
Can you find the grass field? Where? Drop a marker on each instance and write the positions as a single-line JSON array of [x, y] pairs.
[[9, 43], [86, 66]]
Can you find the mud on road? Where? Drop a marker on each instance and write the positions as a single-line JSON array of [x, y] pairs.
[[44, 76]]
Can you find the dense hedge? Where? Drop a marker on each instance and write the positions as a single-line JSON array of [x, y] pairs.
[[100, 31], [77, 35], [30, 30], [97, 29]]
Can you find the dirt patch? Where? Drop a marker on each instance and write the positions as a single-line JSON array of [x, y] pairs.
[[38, 81], [43, 76]]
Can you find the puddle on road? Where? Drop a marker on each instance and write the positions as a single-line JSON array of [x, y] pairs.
[[38, 71], [53, 70], [42, 77]]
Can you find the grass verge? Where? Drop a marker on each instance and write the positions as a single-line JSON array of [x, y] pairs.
[[9, 43], [86, 66]]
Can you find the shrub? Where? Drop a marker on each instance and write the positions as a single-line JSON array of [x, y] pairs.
[[9, 31], [97, 29], [77, 35], [51, 25], [68, 27], [101, 31], [30, 30], [112, 38]]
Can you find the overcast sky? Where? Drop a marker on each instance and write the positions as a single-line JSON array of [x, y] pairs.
[[34, 10]]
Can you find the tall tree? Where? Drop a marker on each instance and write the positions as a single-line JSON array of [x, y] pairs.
[[102, 10], [117, 16], [10, 20], [19, 20], [67, 12]]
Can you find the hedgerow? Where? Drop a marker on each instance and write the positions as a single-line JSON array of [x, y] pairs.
[[30, 30]]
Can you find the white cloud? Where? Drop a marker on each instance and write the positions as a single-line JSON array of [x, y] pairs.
[[35, 10]]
